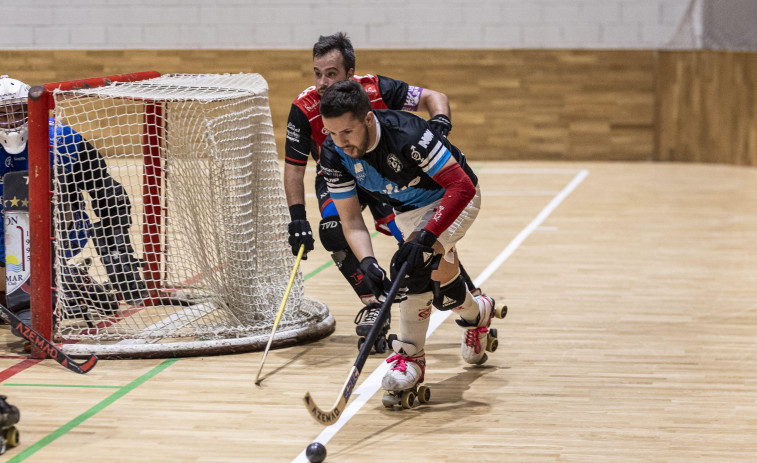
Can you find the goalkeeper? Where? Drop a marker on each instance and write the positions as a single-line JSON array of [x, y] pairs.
[[80, 169], [334, 61]]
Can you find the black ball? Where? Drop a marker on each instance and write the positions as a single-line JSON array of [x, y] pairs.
[[316, 452]]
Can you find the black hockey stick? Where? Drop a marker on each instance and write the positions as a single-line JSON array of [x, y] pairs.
[[46, 346], [330, 416]]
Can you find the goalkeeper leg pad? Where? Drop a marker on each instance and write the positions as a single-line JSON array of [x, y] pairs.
[[121, 265]]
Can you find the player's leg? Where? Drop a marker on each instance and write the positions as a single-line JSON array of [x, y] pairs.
[[333, 240], [475, 312], [408, 364], [451, 291], [111, 234]]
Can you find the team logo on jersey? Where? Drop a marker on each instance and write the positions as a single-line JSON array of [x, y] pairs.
[[9, 162], [293, 133], [412, 99], [359, 172], [324, 131], [415, 154], [394, 162], [426, 138]]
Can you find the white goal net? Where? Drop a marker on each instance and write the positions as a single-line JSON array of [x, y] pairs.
[[170, 220]]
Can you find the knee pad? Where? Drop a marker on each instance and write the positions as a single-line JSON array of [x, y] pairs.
[[332, 236], [451, 295]]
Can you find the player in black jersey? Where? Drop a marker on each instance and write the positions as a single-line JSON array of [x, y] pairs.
[[334, 61], [435, 195]]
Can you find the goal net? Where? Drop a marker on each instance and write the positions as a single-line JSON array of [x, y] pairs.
[[170, 222], [717, 25]]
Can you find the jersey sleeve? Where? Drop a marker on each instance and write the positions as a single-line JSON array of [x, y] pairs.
[[340, 182], [428, 150], [398, 94], [298, 141]]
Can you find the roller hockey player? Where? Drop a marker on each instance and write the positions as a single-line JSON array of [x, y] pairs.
[[80, 169], [435, 197], [334, 61]]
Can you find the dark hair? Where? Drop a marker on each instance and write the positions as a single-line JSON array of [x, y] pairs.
[[338, 41], [347, 96]]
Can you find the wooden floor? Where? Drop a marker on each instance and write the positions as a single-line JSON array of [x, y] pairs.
[[631, 337]]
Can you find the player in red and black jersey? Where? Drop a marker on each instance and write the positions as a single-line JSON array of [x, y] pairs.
[[334, 61]]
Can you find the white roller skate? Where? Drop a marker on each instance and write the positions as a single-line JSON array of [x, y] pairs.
[[478, 337], [407, 372]]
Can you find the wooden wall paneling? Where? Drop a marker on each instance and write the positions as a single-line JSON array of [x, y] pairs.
[[507, 104], [707, 107]]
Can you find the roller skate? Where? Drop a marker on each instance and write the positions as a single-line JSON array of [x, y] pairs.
[[121, 265], [364, 321], [478, 337], [81, 291], [402, 382], [9, 416]]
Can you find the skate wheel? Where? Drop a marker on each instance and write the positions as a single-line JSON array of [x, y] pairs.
[[389, 400], [3, 445], [380, 346], [491, 344], [12, 436], [360, 342], [390, 339], [408, 399], [424, 394], [500, 311]]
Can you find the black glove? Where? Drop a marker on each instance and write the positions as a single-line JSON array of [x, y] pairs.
[[419, 254], [441, 124], [299, 231], [375, 278]]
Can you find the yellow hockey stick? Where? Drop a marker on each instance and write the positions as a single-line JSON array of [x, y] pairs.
[[281, 310]]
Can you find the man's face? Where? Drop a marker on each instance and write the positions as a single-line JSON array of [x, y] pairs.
[[328, 69], [350, 133], [12, 115]]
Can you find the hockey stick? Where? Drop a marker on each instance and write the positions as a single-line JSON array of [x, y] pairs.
[[281, 310], [47, 347], [330, 416]]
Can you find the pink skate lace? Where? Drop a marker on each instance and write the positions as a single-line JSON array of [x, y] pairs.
[[472, 338], [402, 364]]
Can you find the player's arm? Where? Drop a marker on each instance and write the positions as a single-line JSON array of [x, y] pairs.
[[296, 153], [294, 184], [359, 239], [399, 95], [434, 103], [297, 148], [459, 190], [353, 226]]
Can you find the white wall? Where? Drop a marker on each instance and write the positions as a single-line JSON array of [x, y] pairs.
[[296, 24]]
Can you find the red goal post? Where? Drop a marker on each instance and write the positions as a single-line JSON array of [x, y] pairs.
[[41, 104]]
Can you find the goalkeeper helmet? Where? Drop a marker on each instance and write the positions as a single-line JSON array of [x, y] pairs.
[[14, 123]]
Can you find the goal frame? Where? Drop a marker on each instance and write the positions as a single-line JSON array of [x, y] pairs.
[[184, 308], [41, 236]]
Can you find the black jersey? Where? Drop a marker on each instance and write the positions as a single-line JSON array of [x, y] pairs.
[[399, 169], [305, 129]]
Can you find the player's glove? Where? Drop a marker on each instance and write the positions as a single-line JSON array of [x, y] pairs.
[[299, 231], [419, 254], [441, 124], [375, 278]]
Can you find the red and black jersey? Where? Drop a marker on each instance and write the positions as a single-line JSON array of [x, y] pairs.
[[305, 127]]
